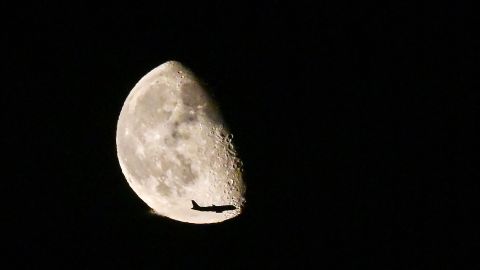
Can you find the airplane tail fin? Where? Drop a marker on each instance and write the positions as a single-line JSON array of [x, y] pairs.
[[195, 205]]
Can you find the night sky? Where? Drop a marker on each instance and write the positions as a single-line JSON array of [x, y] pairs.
[[356, 125]]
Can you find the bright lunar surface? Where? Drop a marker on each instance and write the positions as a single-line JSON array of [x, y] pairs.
[[173, 147]]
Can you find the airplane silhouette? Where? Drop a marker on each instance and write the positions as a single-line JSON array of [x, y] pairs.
[[213, 208]]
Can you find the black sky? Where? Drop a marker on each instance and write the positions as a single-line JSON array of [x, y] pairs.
[[356, 125]]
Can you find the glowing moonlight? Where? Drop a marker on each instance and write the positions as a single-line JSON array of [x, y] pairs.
[[173, 147]]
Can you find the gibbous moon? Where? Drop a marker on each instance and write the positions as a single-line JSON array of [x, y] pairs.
[[174, 147]]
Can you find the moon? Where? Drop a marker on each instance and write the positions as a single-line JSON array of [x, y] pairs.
[[174, 147]]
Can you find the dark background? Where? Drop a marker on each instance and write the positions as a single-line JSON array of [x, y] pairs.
[[356, 125]]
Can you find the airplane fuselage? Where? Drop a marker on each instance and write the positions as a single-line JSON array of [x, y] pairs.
[[213, 208]]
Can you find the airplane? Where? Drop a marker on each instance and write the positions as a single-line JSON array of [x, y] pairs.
[[213, 208]]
